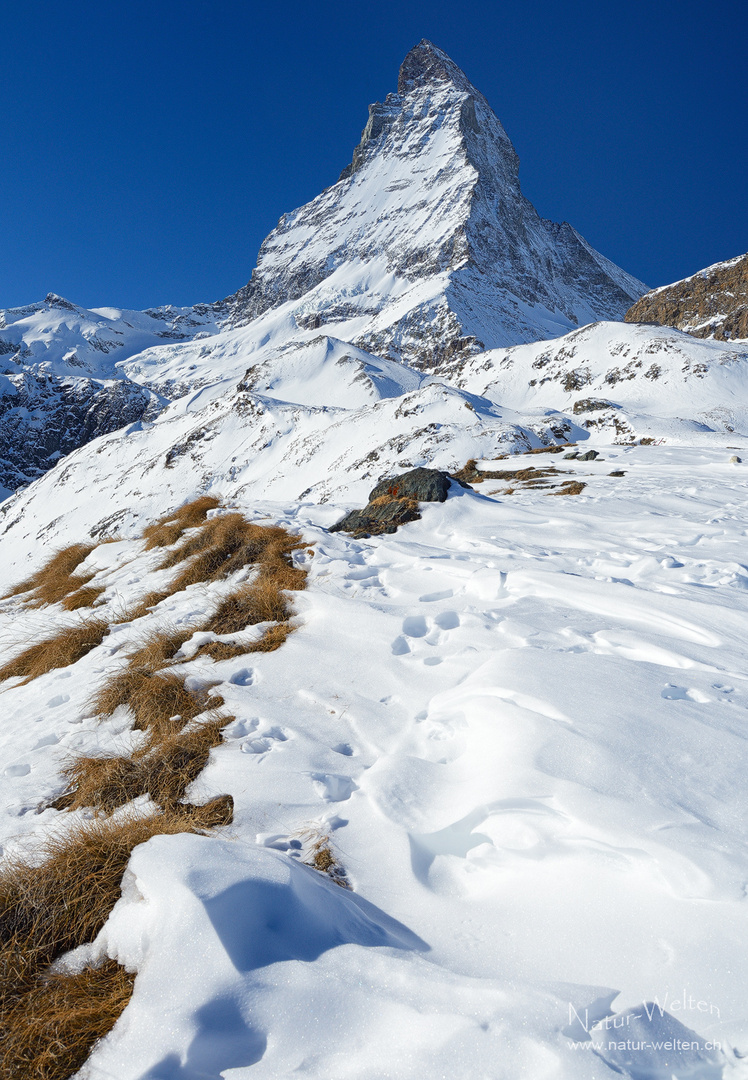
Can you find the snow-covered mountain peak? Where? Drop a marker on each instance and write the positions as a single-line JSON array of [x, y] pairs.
[[441, 253], [426, 64]]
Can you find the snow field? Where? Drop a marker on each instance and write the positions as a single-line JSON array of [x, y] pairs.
[[521, 723]]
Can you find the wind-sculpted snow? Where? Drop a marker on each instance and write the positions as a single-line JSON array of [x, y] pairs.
[[431, 205], [520, 724]]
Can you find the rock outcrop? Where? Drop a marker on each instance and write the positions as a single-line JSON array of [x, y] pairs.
[[394, 502], [710, 304]]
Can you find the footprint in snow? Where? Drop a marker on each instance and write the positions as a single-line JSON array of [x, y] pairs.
[[263, 742], [447, 620], [343, 748], [682, 693], [18, 770], [333, 788], [243, 677], [57, 700]]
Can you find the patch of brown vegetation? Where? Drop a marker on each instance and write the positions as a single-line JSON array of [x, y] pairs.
[[64, 901], [470, 473], [83, 598], [50, 1021], [53, 1020], [271, 640], [65, 647], [571, 487], [169, 528], [57, 577], [158, 700], [164, 769], [555, 449]]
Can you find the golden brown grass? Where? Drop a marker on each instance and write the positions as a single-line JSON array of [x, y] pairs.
[[224, 545], [52, 1021], [63, 902], [169, 528], [271, 640], [571, 487], [158, 699], [83, 598], [163, 769], [65, 647], [57, 577]]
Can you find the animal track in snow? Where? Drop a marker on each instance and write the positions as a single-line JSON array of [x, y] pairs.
[[682, 693], [243, 677], [333, 788], [263, 741], [59, 699], [18, 770]]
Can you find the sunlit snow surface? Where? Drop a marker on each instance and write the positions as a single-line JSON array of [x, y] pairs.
[[522, 721]]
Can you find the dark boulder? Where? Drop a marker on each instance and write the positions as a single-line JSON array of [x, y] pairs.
[[423, 485], [394, 501]]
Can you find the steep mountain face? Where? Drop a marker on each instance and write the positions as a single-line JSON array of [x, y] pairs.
[[426, 248], [712, 303], [61, 377]]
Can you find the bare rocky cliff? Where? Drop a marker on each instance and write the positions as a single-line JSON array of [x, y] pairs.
[[710, 304]]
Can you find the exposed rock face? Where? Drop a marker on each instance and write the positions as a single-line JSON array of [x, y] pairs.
[[63, 379], [427, 241], [712, 303], [43, 418]]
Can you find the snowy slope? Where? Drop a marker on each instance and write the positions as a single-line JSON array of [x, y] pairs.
[[622, 380], [437, 246], [61, 379], [521, 721]]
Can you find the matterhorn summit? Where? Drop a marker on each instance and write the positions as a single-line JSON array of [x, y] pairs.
[[426, 249]]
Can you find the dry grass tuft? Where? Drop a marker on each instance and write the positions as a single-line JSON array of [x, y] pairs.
[[571, 487], [224, 545], [158, 699], [52, 1021], [63, 902], [169, 528], [164, 770], [83, 598], [66, 647], [271, 640], [57, 577]]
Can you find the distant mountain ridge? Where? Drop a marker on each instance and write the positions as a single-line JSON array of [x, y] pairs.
[[710, 303]]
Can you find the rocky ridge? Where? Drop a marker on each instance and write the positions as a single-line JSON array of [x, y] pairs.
[[710, 304]]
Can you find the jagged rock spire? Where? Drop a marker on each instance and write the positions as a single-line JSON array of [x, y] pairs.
[[426, 63], [426, 247]]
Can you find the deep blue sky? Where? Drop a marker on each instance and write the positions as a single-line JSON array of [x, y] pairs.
[[148, 148]]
